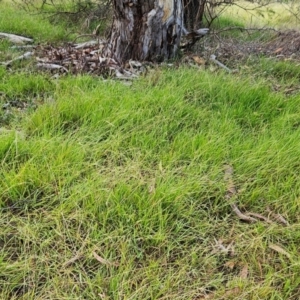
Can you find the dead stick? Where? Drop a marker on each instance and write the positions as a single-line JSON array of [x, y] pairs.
[[241, 215], [279, 218], [15, 38], [72, 260], [213, 58], [231, 192], [259, 216]]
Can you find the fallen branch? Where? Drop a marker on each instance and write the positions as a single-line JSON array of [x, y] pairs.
[[213, 59], [16, 39], [87, 44], [241, 215], [51, 67], [27, 55], [259, 216], [231, 192], [278, 217]]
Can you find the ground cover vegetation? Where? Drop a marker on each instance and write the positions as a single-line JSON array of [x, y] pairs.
[[114, 191]]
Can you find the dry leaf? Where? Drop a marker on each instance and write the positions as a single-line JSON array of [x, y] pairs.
[[199, 60], [244, 272], [278, 50], [280, 250], [103, 260], [230, 264]]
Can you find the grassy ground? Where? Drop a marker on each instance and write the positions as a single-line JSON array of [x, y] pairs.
[[110, 191], [14, 20], [275, 14]]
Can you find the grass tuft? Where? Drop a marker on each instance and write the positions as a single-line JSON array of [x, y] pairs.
[[38, 27]]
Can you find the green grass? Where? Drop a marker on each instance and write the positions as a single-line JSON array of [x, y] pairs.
[[34, 25], [21, 92], [282, 70], [228, 27], [135, 174], [280, 14]]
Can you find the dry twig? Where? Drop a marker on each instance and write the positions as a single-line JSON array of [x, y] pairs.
[[259, 216], [231, 192], [72, 260], [103, 260], [16, 39], [51, 66], [278, 217], [213, 59]]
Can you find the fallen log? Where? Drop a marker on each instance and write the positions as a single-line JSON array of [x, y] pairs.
[[16, 39]]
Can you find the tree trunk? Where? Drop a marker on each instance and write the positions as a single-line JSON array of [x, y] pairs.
[[145, 30], [194, 13]]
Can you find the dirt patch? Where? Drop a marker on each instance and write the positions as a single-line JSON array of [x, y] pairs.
[[281, 45]]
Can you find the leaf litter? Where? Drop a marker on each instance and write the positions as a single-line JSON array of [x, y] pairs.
[[80, 58]]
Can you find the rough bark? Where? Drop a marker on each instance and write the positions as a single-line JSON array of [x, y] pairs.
[[145, 30], [194, 13]]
